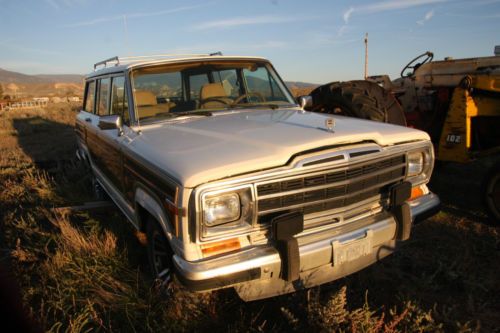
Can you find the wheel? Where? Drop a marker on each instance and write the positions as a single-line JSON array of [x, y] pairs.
[[360, 99], [491, 192], [159, 254]]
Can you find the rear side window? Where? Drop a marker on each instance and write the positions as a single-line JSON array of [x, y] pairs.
[[103, 100], [119, 102], [195, 83], [90, 97]]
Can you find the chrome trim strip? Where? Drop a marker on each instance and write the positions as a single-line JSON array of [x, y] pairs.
[[333, 184], [302, 161], [267, 256], [283, 171], [422, 204], [261, 212], [117, 198], [290, 171]]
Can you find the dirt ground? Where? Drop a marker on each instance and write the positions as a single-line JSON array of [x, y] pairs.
[[86, 271]]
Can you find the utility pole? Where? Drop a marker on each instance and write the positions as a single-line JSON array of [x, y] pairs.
[[366, 55]]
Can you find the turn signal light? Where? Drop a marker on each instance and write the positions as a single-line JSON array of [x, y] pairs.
[[220, 247], [416, 192]]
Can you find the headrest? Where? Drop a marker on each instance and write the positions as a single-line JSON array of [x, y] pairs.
[[145, 98], [212, 90]]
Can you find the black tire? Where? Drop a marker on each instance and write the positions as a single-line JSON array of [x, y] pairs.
[[360, 99], [491, 193], [159, 254]]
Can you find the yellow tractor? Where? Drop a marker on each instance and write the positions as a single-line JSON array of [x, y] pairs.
[[457, 101]]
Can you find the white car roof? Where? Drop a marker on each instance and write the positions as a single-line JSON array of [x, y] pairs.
[[125, 64]]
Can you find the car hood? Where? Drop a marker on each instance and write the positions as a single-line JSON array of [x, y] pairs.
[[202, 149]]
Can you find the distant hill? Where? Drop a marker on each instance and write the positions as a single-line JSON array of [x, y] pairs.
[[62, 78], [298, 84], [15, 77], [20, 78], [300, 88]]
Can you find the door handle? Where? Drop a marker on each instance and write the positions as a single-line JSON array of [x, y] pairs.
[[88, 120]]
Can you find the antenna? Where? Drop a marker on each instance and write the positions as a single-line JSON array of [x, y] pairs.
[[366, 55], [125, 28]]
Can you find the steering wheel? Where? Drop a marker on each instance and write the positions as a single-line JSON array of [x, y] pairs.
[[414, 65], [249, 94], [223, 100]]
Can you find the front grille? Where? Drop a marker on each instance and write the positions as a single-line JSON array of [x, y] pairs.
[[331, 189]]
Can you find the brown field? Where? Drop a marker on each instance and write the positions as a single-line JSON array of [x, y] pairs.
[[86, 271], [25, 90]]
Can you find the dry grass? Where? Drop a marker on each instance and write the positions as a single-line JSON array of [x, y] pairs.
[[85, 272]]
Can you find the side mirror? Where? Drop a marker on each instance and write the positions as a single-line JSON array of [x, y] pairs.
[[305, 102], [111, 122]]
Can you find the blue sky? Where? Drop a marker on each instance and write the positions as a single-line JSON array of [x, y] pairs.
[[312, 41]]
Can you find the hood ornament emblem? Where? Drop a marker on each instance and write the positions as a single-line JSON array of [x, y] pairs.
[[330, 124]]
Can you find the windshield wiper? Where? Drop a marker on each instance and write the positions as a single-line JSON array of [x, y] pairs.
[[188, 113], [253, 105]]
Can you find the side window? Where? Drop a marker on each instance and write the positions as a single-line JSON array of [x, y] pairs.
[[89, 97], [119, 102], [102, 109], [195, 84], [229, 80]]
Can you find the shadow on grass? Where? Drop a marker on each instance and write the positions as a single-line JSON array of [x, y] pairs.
[[459, 188], [48, 143]]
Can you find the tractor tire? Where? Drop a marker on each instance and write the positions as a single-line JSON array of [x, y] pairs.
[[491, 193], [359, 99]]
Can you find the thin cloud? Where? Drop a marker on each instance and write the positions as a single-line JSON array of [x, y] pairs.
[[240, 21], [347, 14], [342, 30], [426, 18], [57, 4], [393, 5], [387, 6], [132, 16]]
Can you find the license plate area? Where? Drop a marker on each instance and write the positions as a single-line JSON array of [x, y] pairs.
[[345, 252]]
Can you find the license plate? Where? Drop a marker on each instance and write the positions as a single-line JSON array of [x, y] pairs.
[[351, 251]]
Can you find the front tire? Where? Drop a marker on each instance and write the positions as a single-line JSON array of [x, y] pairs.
[[159, 254]]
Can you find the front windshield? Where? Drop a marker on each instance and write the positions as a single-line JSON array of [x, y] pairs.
[[169, 91]]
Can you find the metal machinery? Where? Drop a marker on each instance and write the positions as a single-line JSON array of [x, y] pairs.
[[457, 101]]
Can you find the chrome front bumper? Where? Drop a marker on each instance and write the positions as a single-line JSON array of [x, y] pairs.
[[255, 272]]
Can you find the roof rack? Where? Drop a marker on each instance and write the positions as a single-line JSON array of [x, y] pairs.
[[118, 60]]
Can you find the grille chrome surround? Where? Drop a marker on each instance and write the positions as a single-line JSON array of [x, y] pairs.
[[329, 189]]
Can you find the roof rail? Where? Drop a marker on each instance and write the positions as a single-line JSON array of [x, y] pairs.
[[117, 60], [105, 62]]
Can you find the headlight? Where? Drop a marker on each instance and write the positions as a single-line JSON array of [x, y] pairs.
[[415, 163], [220, 209], [226, 212], [420, 163]]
